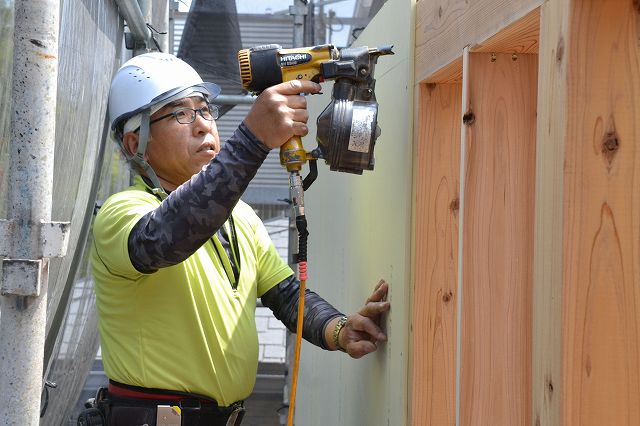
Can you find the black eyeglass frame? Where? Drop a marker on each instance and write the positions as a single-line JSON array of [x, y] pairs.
[[211, 108]]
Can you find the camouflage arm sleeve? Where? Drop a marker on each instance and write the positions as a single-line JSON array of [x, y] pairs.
[[282, 299], [197, 209]]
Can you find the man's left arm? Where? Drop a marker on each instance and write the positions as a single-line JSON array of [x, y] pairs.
[[357, 336], [361, 332]]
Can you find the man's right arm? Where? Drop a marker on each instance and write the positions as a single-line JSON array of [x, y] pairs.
[[197, 209]]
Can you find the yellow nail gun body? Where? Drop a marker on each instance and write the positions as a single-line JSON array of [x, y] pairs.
[[347, 128]]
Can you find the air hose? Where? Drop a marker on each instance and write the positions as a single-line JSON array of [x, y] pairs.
[[301, 259]]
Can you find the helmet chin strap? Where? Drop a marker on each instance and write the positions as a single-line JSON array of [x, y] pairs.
[[138, 158]]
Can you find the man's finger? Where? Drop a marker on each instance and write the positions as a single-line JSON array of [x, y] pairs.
[[295, 87], [366, 325], [380, 292], [300, 115], [360, 348], [296, 102], [373, 309], [299, 129]]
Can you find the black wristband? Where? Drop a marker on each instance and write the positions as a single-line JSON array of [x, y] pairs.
[[282, 299]]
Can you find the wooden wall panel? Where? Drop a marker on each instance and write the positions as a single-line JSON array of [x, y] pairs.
[[495, 387], [436, 256], [601, 303]]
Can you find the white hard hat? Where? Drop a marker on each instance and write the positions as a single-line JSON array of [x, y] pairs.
[[150, 79]]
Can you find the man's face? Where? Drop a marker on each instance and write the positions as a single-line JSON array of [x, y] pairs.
[[178, 151]]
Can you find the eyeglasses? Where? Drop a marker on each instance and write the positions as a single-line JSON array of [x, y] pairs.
[[188, 115]]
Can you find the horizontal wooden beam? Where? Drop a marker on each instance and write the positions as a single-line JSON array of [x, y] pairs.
[[521, 36], [445, 27], [451, 73]]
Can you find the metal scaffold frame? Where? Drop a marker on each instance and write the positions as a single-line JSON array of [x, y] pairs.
[[28, 238]]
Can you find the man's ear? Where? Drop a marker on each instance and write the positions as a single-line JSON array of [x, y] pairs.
[[130, 142]]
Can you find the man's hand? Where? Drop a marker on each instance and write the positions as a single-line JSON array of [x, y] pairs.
[[280, 112], [361, 332]]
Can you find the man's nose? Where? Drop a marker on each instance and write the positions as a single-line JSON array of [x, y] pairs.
[[201, 124]]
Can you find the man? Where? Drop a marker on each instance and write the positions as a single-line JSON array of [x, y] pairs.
[[179, 261]]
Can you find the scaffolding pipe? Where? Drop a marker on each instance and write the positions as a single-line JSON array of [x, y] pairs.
[[132, 13], [234, 100], [24, 244], [298, 10], [164, 38]]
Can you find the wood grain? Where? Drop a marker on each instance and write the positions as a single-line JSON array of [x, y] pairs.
[[497, 257], [601, 303], [436, 256], [520, 37], [445, 27], [451, 73], [547, 275]]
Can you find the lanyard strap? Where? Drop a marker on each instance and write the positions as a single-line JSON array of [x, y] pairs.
[[229, 246], [221, 243]]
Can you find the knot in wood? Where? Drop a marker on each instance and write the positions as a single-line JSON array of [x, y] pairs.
[[560, 50], [611, 142], [469, 118], [610, 145], [454, 206]]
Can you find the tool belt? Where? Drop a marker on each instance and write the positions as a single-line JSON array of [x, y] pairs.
[[124, 405]]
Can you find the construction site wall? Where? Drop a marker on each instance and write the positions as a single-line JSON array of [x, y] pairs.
[[510, 241], [360, 231]]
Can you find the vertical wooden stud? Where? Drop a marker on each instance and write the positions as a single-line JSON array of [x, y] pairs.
[[436, 256], [601, 295], [495, 384], [547, 276]]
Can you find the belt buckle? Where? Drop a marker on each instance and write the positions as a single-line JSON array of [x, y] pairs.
[[236, 415]]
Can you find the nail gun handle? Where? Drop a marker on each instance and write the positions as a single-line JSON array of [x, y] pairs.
[[292, 154]]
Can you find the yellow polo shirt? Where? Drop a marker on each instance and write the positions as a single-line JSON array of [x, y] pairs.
[[183, 327]]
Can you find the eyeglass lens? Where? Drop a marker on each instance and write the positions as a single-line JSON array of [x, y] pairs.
[[188, 115]]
